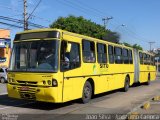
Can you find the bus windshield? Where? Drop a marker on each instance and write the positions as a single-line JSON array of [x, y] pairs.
[[35, 56]]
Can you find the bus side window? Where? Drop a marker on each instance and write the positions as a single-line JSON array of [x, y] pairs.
[[74, 55], [101, 53], [125, 56], [111, 54], [130, 57], [148, 59], [145, 58], [88, 51], [70, 60], [141, 57], [152, 60], [118, 55]]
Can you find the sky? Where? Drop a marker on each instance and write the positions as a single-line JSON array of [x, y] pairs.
[[140, 18]]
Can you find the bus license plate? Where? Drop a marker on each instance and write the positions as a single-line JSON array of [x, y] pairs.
[[24, 88]]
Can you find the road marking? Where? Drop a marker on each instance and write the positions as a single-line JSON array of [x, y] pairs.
[[16, 105]]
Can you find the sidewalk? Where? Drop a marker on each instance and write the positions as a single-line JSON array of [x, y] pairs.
[[147, 109], [150, 107]]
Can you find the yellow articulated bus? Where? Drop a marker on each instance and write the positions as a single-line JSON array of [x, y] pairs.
[[53, 65]]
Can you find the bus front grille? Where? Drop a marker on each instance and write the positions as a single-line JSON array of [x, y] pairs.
[[27, 83], [27, 92]]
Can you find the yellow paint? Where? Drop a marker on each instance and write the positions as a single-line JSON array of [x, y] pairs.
[[70, 87], [156, 98], [146, 106]]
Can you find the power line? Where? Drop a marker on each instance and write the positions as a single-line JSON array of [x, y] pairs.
[[105, 20], [68, 4], [100, 13], [88, 10], [11, 25], [34, 9], [18, 11], [21, 22]]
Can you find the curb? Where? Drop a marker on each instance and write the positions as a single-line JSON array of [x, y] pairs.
[[156, 98], [146, 105], [132, 115]]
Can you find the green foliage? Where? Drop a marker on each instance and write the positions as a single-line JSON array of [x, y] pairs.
[[112, 37], [85, 27], [134, 46], [127, 44], [137, 47]]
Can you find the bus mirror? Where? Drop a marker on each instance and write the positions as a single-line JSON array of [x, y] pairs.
[[68, 49]]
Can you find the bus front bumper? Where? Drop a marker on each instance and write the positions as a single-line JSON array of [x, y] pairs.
[[44, 94]]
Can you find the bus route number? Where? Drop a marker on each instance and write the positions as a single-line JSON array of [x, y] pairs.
[[103, 65]]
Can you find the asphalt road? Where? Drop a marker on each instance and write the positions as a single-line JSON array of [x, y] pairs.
[[115, 102], [3, 89]]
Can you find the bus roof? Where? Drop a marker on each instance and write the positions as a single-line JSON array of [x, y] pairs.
[[77, 35], [39, 30]]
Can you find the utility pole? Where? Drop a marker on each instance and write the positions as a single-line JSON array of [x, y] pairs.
[[25, 15], [105, 20], [150, 44]]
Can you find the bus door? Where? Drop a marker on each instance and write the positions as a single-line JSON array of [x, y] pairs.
[[70, 65], [136, 66]]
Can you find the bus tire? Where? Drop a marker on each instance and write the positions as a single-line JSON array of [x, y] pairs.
[[126, 84], [87, 92], [149, 80]]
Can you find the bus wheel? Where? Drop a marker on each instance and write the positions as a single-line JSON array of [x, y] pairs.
[[87, 92], [149, 80], [126, 84]]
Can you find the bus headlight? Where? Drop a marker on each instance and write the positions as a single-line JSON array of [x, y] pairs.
[[44, 82], [49, 82], [14, 87], [54, 83]]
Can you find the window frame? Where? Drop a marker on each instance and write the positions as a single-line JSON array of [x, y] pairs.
[[148, 59], [130, 54], [125, 56], [141, 58], [62, 52], [111, 54], [90, 52], [103, 53], [144, 58], [118, 57]]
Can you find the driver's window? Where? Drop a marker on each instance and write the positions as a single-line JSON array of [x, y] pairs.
[[70, 60]]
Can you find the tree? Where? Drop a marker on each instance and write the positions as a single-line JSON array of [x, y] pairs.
[[134, 46], [127, 44], [112, 37], [137, 47], [86, 27]]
